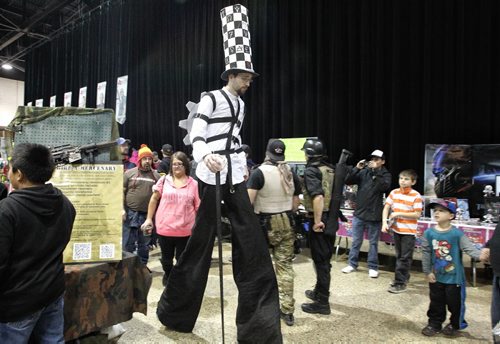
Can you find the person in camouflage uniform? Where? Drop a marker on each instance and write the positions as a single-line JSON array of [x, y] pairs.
[[273, 190], [318, 182]]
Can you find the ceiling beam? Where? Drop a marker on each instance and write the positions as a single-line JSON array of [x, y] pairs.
[[51, 7]]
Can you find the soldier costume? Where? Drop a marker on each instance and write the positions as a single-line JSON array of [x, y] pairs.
[[215, 136], [318, 181], [274, 189]]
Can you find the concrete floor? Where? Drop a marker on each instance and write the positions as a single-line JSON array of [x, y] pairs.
[[362, 309]]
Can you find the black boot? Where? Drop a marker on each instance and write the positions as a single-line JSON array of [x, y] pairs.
[[311, 294], [319, 306]]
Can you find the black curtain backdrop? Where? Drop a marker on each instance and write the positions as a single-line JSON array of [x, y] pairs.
[[359, 74]]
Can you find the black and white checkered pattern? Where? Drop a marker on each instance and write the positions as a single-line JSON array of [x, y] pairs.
[[236, 37]]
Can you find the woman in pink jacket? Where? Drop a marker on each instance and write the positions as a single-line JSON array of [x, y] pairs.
[[177, 195]]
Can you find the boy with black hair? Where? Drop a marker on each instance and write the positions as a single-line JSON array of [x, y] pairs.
[[36, 221], [405, 205], [442, 247]]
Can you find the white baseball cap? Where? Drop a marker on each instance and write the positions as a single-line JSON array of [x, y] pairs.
[[377, 153]]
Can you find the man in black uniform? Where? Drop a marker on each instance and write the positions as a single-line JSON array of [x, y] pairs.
[[318, 180]]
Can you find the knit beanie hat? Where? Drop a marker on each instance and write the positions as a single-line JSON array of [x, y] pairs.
[[144, 152]]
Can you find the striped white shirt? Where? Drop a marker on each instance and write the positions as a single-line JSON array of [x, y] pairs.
[[405, 201], [204, 131]]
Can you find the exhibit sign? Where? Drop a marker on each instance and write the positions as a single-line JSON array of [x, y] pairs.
[[101, 95], [293, 150], [82, 97], [463, 172], [53, 101], [121, 99], [96, 191], [67, 99], [39, 102], [29, 104]]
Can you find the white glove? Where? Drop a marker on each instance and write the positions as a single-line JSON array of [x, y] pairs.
[[215, 162]]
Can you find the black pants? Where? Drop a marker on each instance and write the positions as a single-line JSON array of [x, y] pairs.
[[442, 296], [404, 245], [258, 317], [321, 253], [170, 247]]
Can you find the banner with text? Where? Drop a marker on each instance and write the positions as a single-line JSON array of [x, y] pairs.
[[96, 191]]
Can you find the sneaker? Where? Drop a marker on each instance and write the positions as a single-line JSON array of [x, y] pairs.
[[348, 269], [397, 288], [430, 331], [450, 331], [373, 273], [288, 318]]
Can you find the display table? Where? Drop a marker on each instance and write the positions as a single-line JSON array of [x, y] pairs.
[[478, 234], [100, 295]]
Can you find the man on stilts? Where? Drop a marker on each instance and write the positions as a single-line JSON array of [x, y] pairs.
[[215, 137]]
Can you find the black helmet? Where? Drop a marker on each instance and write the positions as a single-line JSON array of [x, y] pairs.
[[314, 148], [246, 149]]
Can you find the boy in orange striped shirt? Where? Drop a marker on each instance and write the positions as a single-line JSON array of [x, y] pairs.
[[405, 206]]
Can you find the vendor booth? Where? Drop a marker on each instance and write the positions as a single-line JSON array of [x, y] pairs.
[[103, 285]]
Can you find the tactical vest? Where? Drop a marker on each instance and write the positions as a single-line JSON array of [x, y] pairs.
[[272, 198], [327, 174]]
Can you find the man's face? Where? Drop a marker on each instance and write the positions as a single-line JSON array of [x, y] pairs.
[[376, 162], [241, 82], [124, 148], [146, 163]]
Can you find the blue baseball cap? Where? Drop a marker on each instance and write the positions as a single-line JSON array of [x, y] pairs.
[[451, 206]]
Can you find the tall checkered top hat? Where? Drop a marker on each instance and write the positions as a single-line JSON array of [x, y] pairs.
[[236, 37]]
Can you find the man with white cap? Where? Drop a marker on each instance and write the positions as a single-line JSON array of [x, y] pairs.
[[124, 146], [373, 180], [215, 137]]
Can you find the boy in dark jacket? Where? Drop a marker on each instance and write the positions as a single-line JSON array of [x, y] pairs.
[[373, 180], [36, 221]]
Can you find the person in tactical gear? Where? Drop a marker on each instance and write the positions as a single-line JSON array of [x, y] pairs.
[[274, 191], [318, 181]]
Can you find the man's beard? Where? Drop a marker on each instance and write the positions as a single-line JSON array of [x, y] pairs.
[[241, 91], [146, 167]]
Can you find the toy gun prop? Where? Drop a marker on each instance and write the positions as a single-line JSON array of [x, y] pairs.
[[341, 169], [68, 154]]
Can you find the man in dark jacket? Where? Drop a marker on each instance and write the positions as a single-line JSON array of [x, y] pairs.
[[36, 221], [166, 150], [373, 179]]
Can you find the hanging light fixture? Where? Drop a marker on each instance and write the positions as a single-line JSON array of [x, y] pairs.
[[6, 66]]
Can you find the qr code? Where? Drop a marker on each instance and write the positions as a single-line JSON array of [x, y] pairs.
[[82, 251], [107, 251]]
